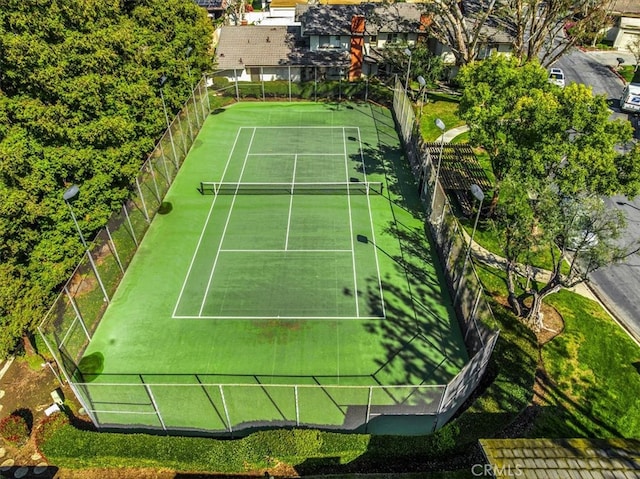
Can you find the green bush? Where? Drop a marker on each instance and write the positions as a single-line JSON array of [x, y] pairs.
[[15, 430]]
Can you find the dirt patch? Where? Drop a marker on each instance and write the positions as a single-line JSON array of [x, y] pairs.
[[26, 388]]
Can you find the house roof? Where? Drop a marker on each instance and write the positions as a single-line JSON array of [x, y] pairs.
[[268, 46], [622, 7], [560, 458], [336, 19]]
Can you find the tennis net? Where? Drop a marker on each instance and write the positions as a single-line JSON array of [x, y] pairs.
[[344, 188]]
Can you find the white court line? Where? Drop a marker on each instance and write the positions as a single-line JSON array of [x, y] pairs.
[[328, 318], [226, 224], [285, 251], [204, 228], [299, 154], [301, 127], [353, 255], [293, 181], [373, 234]]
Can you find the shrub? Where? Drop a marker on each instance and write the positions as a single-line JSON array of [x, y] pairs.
[[15, 429]]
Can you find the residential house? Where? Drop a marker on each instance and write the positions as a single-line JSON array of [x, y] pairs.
[[626, 14], [325, 42]]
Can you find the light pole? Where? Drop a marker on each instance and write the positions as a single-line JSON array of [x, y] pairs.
[[423, 88], [68, 195], [406, 83], [186, 55], [162, 81], [440, 124], [476, 191]]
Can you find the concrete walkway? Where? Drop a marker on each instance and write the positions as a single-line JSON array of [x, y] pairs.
[[488, 258], [452, 133]]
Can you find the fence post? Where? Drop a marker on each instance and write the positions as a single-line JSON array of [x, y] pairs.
[[155, 183], [144, 205], [77, 311], [195, 107], [226, 411], [155, 406], [133, 233], [295, 390], [184, 137], [115, 250], [95, 270], [289, 75], [440, 406], [206, 90], [235, 77], [366, 424], [262, 83]]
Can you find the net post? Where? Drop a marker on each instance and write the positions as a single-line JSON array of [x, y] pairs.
[[295, 391], [226, 411], [155, 405], [115, 250], [133, 233], [77, 311]]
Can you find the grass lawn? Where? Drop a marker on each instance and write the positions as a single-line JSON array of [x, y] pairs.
[[627, 72], [593, 371], [441, 106]]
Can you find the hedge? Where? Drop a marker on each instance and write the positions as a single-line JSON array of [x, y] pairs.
[[73, 448]]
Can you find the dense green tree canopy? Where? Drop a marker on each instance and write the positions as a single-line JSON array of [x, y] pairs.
[[553, 152], [79, 103]]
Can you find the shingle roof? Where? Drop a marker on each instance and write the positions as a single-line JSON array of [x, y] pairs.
[[336, 19], [267, 46], [560, 458], [626, 6]]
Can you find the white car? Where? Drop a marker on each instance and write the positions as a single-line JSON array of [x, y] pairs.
[[556, 76]]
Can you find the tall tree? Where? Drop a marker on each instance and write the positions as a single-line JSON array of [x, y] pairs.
[[554, 152], [79, 103], [461, 26], [538, 27]]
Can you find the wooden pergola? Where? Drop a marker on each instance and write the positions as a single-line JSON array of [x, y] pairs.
[[459, 170]]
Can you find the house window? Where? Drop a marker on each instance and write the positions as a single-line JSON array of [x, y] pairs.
[[397, 37], [373, 39], [325, 41]]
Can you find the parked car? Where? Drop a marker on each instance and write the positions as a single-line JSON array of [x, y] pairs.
[[556, 76]]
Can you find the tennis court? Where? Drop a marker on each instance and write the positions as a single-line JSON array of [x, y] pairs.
[[288, 274]]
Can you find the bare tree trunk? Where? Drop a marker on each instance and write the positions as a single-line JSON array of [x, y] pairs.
[[534, 317], [514, 302]]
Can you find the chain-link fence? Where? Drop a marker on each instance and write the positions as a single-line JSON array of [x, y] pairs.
[[227, 84], [205, 402], [69, 325], [471, 307]]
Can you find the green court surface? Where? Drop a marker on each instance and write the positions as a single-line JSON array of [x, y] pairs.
[[309, 266]]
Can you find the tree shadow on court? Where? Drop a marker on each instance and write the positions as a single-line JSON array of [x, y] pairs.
[[420, 333]]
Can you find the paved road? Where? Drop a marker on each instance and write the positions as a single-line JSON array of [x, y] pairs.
[[592, 69], [617, 285]]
